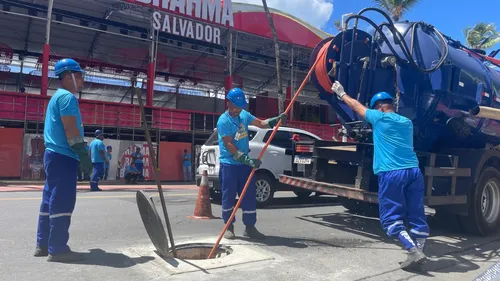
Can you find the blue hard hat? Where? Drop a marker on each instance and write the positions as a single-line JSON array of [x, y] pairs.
[[237, 97], [67, 65], [98, 133], [108, 147], [380, 96]]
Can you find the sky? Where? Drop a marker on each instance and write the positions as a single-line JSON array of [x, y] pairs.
[[450, 17]]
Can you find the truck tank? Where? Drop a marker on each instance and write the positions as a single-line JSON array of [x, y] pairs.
[[449, 92]]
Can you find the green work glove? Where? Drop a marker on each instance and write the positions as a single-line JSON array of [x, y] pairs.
[[271, 122], [243, 158], [81, 150]]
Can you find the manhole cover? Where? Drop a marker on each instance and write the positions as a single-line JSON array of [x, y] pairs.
[[200, 251], [152, 223]]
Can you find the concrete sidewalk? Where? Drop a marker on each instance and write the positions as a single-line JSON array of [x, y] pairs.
[[103, 182], [7, 186]]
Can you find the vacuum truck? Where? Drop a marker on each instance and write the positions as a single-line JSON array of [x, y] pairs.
[[451, 94]]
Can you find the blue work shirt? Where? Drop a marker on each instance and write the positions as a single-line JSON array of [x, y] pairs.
[[392, 140], [237, 128], [95, 147], [129, 169], [186, 162], [62, 103], [108, 155], [135, 154]]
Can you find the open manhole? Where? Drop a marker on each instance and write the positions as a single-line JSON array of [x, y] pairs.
[[200, 251]]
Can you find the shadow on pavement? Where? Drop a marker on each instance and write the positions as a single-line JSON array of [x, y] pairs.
[[445, 248], [118, 260], [296, 202]]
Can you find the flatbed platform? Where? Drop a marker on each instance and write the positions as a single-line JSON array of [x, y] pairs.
[[349, 191]]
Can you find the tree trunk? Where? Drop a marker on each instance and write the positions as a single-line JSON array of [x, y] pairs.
[[281, 100]]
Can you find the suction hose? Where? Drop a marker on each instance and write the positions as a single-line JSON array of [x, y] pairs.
[[325, 76]]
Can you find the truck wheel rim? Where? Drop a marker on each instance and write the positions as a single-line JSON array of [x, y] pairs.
[[490, 201], [263, 190]]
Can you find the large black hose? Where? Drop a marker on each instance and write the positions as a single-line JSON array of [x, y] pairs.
[[399, 38]]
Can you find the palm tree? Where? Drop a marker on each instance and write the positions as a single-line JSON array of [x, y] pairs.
[[396, 8], [281, 99], [481, 36]]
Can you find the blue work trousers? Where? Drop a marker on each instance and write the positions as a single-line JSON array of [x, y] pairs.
[[139, 167], [58, 202], [401, 202], [96, 175], [233, 179], [187, 173]]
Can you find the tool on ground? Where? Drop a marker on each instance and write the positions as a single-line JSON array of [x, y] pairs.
[[203, 209], [289, 107], [155, 169]]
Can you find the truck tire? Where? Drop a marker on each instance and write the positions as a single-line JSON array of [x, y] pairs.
[[265, 187], [216, 195], [484, 205], [302, 194]]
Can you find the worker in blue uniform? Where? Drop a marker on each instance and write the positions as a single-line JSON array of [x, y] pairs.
[[138, 159], [99, 160], [109, 150], [401, 183], [235, 163], [65, 153]]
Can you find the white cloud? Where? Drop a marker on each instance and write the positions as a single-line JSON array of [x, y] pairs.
[[314, 12]]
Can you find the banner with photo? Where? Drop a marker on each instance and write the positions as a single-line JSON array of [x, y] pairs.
[[125, 151], [32, 161]]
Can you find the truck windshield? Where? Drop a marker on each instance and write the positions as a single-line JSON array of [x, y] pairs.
[[214, 139]]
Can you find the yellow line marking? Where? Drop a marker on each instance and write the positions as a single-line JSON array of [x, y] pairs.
[[101, 197]]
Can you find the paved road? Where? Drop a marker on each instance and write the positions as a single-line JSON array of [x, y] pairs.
[[314, 241]]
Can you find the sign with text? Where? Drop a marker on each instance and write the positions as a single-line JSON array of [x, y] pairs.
[[217, 12]]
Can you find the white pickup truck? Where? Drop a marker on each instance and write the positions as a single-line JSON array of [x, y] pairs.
[[275, 161]]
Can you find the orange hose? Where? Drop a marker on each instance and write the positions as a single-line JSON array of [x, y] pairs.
[[321, 56], [321, 71]]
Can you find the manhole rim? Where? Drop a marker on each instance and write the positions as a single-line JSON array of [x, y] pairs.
[[226, 250]]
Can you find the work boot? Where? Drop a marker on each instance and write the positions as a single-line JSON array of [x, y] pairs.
[[230, 232], [41, 252], [95, 189], [415, 259], [69, 256], [252, 232]]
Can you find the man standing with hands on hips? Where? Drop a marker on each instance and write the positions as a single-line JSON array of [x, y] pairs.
[[235, 163], [65, 152], [401, 183]]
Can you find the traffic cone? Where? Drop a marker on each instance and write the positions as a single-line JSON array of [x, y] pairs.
[[203, 209]]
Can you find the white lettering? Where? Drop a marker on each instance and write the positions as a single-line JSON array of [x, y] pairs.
[[156, 20], [190, 30], [227, 14], [216, 35], [208, 33], [211, 10], [144, 1], [185, 28], [183, 24], [174, 29], [189, 8], [164, 4], [199, 31], [178, 4], [166, 24]]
